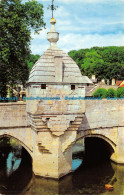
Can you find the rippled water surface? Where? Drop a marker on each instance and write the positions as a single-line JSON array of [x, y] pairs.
[[16, 177]]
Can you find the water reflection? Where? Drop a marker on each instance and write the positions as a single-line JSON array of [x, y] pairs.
[[16, 172], [13, 163], [83, 181], [76, 164], [87, 179]]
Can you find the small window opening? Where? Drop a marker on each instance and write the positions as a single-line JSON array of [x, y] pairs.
[[43, 86], [71, 122], [72, 87]]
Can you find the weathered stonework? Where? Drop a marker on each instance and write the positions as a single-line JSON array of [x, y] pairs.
[[13, 115], [47, 129], [55, 116], [52, 154], [55, 121], [104, 119]]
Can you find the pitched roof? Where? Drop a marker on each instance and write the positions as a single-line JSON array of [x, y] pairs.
[[44, 69], [118, 82], [121, 84], [55, 64]]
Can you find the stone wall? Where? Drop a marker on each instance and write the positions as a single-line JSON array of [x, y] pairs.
[[103, 114], [13, 115], [56, 116], [99, 114]]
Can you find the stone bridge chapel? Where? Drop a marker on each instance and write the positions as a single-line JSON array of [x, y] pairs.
[[50, 124], [55, 121]]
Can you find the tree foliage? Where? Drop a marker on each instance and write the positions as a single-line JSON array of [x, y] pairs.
[[110, 93], [104, 62], [31, 60], [16, 22], [120, 92], [101, 92]]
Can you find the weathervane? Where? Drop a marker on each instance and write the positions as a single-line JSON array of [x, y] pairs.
[[52, 7]]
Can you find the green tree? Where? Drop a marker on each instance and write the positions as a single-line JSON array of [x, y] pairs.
[[78, 56], [120, 92], [3, 80], [111, 93], [31, 60], [93, 64], [104, 62], [101, 92], [16, 22]]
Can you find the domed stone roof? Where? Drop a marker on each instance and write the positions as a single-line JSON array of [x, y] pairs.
[[55, 65]]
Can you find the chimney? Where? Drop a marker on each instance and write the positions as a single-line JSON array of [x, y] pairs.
[[103, 81], [93, 77], [113, 81]]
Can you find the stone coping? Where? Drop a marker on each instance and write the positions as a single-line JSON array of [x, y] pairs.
[[12, 103]]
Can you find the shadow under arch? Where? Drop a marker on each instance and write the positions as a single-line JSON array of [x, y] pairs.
[[94, 172], [109, 141], [15, 168], [20, 142], [92, 151]]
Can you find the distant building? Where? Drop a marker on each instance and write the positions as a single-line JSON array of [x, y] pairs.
[[93, 79], [120, 83]]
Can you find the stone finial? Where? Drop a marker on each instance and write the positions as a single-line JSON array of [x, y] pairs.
[[53, 22], [53, 36]]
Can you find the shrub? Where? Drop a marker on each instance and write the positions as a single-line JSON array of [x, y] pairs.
[[120, 92], [101, 92], [111, 93]]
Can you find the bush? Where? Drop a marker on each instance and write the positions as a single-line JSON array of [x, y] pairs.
[[101, 92], [120, 92], [111, 93]]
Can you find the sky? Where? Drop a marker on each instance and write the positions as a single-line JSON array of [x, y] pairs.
[[82, 24]]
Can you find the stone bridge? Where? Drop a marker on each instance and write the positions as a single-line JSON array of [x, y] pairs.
[[102, 119], [47, 128]]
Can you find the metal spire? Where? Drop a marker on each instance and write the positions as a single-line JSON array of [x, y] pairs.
[[52, 7]]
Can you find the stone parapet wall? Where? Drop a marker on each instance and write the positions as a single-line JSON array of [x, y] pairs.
[[103, 114], [13, 115]]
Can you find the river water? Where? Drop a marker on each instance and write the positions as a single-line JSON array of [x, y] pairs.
[[16, 177]]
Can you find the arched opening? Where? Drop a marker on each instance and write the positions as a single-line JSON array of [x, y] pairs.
[[15, 166], [95, 168], [91, 150], [97, 150]]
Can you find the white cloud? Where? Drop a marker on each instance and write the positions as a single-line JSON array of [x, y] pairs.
[[80, 1], [78, 41], [60, 11], [39, 48], [83, 24]]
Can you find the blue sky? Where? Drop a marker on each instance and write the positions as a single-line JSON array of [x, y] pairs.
[[83, 24]]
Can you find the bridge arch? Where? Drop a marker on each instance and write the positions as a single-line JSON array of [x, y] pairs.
[[20, 142], [102, 136]]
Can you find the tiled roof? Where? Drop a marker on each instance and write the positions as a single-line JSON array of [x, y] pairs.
[[56, 66], [44, 69], [118, 82]]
